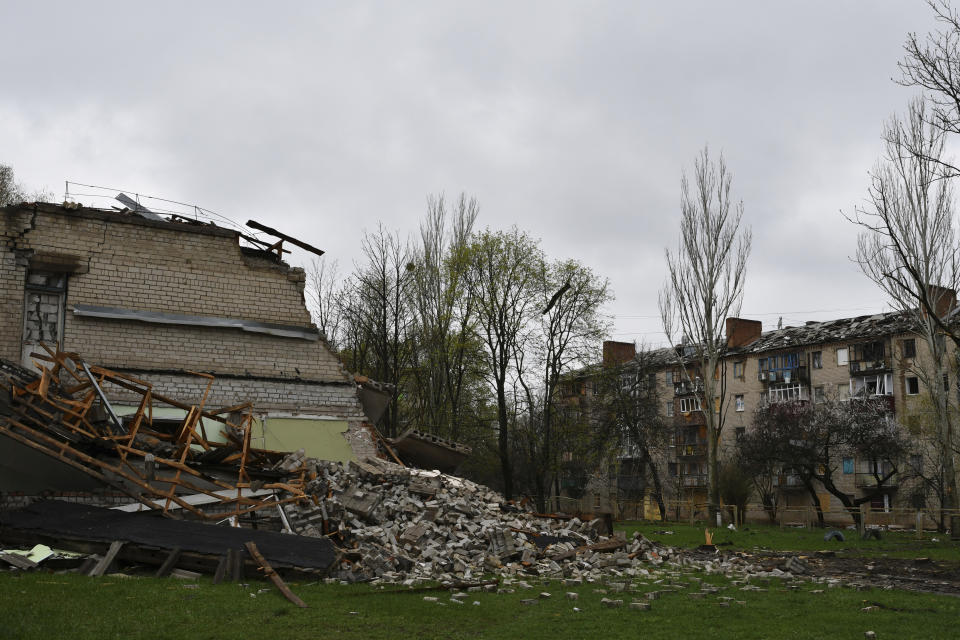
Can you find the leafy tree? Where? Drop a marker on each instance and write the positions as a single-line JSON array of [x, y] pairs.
[[500, 281], [444, 350]]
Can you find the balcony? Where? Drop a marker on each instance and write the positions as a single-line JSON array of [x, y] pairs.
[[787, 481], [691, 449], [861, 367], [869, 357], [784, 376], [689, 419], [683, 387], [866, 480], [696, 481]]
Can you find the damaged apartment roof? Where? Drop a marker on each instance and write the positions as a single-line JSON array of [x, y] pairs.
[[861, 327]]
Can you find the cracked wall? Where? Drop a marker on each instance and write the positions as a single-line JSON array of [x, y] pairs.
[[121, 260]]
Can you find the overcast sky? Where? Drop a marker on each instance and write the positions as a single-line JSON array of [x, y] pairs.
[[572, 120]]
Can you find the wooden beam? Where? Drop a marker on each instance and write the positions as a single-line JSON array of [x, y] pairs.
[[170, 562], [274, 578], [253, 224], [101, 567]]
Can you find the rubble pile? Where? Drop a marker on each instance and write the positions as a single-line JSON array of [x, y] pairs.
[[405, 525]]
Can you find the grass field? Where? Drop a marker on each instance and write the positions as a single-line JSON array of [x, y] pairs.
[[754, 537], [47, 605], [71, 606]]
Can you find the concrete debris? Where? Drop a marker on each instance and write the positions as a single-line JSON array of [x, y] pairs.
[[396, 524]]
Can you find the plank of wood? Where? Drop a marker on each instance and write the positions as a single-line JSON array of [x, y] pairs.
[[170, 562], [221, 571], [18, 561], [270, 573], [235, 560], [100, 568]]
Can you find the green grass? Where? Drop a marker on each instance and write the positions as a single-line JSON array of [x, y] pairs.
[[893, 544], [39, 605]]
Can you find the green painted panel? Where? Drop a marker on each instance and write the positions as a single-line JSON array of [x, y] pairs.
[[321, 439]]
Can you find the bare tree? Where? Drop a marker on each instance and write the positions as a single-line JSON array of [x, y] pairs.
[[627, 411], [909, 249], [705, 286], [811, 441], [324, 298], [503, 266], [380, 315], [933, 64]]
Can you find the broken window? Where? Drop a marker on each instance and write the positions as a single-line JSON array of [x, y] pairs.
[[913, 385], [670, 409], [910, 348], [787, 392], [875, 385], [42, 312], [843, 391], [818, 394], [842, 356], [688, 405], [738, 401], [739, 432], [817, 359], [738, 369]]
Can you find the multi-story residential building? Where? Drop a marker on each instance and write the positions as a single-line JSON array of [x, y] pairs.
[[867, 356]]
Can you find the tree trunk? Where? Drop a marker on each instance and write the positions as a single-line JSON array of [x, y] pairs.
[[504, 442], [815, 499], [657, 487]]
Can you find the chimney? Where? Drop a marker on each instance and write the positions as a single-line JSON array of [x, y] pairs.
[[615, 353], [741, 332], [942, 299]]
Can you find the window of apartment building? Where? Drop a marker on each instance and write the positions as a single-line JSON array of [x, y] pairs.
[[910, 348], [843, 391], [739, 432], [913, 385], [842, 358], [738, 401], [818, 394], [670, 409], [668, 377], [875, 385], [848, 465], [672, 469], [651, 382], [689, 404], [787, 392], [916, 463], [816, 359], [738, 369]]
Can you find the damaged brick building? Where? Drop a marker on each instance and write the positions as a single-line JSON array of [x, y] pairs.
[[163, 299]]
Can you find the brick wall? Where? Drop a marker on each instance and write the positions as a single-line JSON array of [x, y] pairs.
[[119, 260]]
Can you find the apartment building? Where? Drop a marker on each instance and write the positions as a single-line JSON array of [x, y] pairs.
[[867, 356]]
